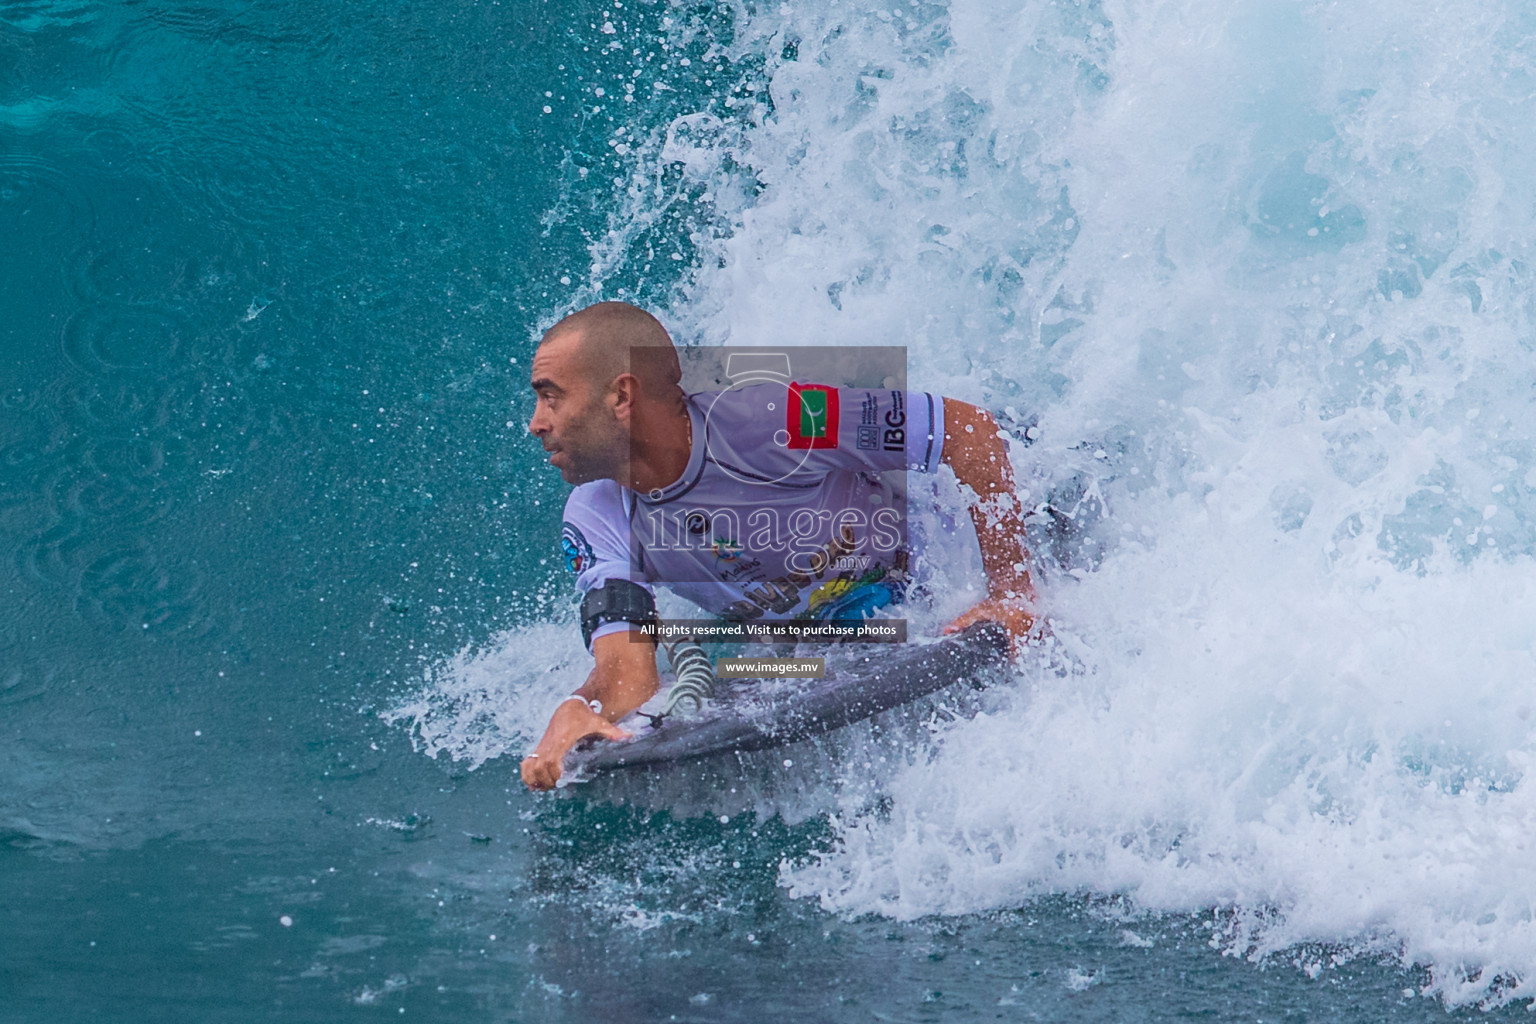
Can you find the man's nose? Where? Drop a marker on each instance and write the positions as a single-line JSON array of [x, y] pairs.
[[538, 424]]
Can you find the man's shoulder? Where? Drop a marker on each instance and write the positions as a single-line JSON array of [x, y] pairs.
[[602, 498], [745, 415], [596, 528]]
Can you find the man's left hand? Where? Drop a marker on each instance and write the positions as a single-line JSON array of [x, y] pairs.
[[1012, 613]]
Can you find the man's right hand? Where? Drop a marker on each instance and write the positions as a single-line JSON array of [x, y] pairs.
[[573, 721]]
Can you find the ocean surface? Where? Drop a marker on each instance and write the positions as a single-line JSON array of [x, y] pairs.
[[281, 597]]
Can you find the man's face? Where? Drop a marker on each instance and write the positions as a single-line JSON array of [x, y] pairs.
[[572, 417]]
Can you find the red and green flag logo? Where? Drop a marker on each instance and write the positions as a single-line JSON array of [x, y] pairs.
[[811, 417]]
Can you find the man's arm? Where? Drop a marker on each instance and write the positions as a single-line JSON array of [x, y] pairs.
[[623, 679], [975, 450]]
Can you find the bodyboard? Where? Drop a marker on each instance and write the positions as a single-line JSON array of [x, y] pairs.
[[748, 714]]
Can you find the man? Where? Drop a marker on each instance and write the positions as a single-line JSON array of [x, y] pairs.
[[652, 463]]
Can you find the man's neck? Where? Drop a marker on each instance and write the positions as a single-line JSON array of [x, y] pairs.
[[660, 449]]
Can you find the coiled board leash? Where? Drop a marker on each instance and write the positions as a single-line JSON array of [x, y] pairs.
[[694, 684]]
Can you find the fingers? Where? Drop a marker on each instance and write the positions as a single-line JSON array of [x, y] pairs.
[[542, 770], [965, 619], [540, 773], [611, 732], [1013, 616]]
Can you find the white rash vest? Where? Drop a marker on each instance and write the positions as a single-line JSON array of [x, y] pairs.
[[793, 495]]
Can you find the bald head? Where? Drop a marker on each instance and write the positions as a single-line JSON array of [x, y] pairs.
[[609, 339]]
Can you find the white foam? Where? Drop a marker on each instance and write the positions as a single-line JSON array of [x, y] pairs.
[[494, 700]]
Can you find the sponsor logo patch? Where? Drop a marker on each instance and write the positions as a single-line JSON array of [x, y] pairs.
[[811, 416], [578, 553], [895, 435]]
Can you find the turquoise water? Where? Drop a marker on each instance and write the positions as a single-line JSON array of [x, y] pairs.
[[281, 563]]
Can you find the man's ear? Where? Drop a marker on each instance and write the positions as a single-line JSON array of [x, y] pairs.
[[623, 394]]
